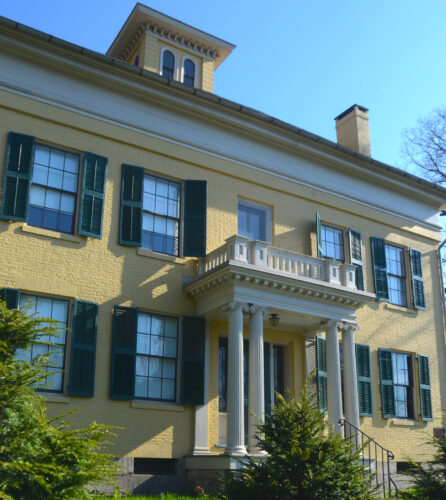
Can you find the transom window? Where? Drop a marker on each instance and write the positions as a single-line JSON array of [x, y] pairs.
[[396, 275], [58, 310], [402, 384], [52, 197], [168, 67], [161, 217], [189, 72], [254, 221], [332, 242], [156, 357]]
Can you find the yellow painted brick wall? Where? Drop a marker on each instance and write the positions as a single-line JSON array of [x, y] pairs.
[[110, 274]]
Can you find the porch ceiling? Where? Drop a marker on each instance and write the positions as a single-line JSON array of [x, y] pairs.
[[303, 303]]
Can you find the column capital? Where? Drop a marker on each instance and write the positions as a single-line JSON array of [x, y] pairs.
[[335, 323], [253, 308], [343, 324], [233, 305]]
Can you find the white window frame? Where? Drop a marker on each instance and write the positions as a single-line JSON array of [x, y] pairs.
[[268, 216], [175, 61], [344, 248], [196, 63], [403, 278]]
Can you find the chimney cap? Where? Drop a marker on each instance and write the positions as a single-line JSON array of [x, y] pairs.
[[350, 109]]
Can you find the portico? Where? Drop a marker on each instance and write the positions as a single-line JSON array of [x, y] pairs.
[[245, 282]]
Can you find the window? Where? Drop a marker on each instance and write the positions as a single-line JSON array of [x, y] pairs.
[[403, 384], [254, 221], [58, 310], [168, 64], [156, 357], [54, 182], [332, 242], [161, 215], [188, 72], [396, 275]]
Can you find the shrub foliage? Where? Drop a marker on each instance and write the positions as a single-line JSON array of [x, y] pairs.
[[306, 459], [41, 457]]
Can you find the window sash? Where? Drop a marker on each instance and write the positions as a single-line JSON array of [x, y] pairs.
[[253, 222], [396, 275], [332, 243], [403, 385]]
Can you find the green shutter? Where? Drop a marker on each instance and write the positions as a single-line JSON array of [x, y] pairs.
[[192, 378], [92, 196], [195, 201], [321, 359], [17, 179], [83, 348], [123, 353], [130, 229], [379, 268], [364, 380], [355, 241], [425, 388], [267, 377], [386, 376], [417, 279], [11, 296], [319, 236]]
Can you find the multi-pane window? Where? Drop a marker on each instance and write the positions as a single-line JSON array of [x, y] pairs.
[[168, 67], [253, 221], [222, 374], [396, 275], [332, 242], [45, 307], [52, 198], [161, 218], [402, 384], [156, 357], [189, 72]]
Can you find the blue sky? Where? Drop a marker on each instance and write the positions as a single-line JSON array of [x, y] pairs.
[[301, 61]]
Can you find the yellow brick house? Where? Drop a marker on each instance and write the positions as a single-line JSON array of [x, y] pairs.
[[205, 256]]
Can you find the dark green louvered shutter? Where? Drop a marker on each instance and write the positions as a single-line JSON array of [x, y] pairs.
[[17, 179], [124, 353], [364, 380], [11, 296], [192, 378], [130, 229], [319, 236], [267, 375], [321, 360], [92, 196], [195, 202], [83, 348], [417, 279], [379, 268], [355, 241], [425, 388], [386, 375]]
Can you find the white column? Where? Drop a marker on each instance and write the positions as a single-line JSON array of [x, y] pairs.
[[351, 410], [256, 396], [201, 446], [236, 429], [334, 396]]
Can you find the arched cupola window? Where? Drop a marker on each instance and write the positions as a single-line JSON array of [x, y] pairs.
[[189, 72], [168, 66]]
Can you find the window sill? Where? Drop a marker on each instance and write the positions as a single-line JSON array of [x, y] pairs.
[[145, 252], [401, 422], [51, 234], [55, 398], [394, 307], [148, 405]]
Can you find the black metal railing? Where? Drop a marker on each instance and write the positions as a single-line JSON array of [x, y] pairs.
[[374, 458]]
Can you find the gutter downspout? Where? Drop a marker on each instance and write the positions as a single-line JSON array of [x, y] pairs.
[[443, 243]]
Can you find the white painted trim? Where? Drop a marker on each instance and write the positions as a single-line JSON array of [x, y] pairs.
[[197, 83], [175, 61]]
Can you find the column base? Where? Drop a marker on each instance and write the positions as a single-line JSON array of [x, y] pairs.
[[236, 450], [257, 452], [200, 450]]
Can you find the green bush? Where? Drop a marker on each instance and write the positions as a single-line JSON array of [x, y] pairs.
[[429, 481], [40, 458], [306, 459]]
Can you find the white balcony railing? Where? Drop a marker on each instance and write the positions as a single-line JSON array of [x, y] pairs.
[[265, 257]]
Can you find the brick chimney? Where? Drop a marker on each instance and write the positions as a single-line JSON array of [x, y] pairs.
[[352, 129]]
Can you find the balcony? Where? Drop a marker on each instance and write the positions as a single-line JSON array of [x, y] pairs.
[[262, 256]]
